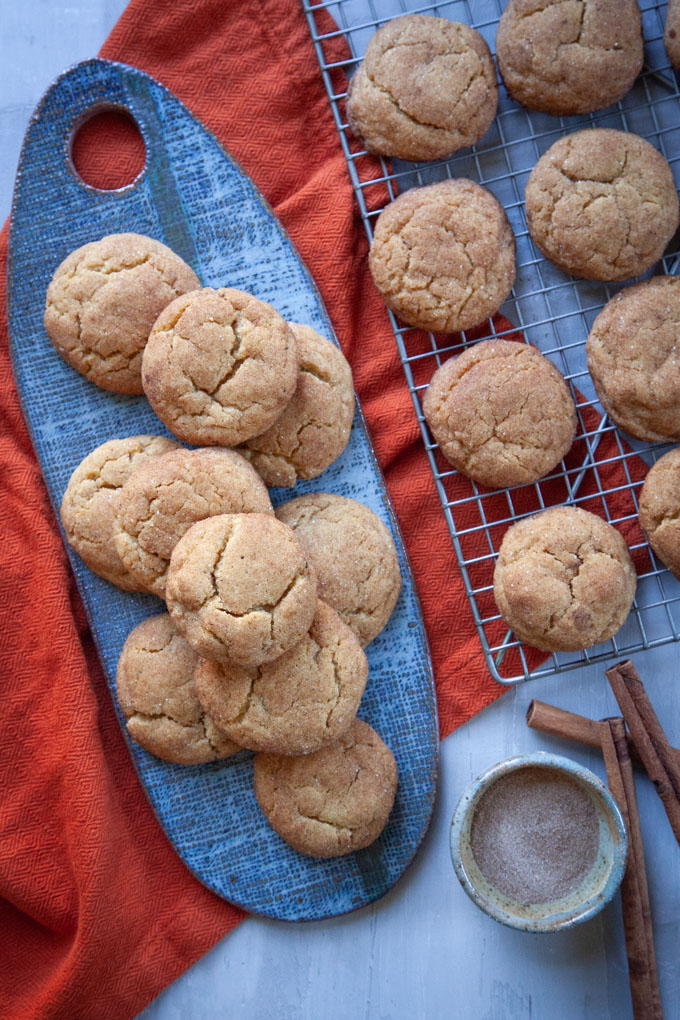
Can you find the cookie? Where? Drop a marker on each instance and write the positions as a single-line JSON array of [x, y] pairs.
[[333, 801], [426, 88], [632, 358], [156, 693], [571, 57], [671, 35], [564, 579], [167, 494], [501, 413], [240, 588], [602, 204], [443, 256], [103, 300], [354, 556], [296, 704], [314, 428], [89, 506], [660, 509], [219, 366]]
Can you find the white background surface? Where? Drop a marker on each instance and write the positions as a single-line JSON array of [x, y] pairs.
[[424, 951]]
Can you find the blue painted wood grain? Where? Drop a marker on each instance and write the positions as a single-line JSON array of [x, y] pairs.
[[194, 197]]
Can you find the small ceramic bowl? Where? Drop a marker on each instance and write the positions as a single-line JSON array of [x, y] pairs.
[[594, 890]]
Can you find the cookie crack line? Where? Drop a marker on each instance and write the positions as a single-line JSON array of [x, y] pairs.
[[408, 116]]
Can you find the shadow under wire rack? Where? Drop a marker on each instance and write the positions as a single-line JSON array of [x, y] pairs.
[[604, 471]]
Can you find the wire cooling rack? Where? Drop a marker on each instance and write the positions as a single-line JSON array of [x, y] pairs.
[[603, 471]]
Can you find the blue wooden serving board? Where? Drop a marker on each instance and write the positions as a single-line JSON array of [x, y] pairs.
[[193, 196]]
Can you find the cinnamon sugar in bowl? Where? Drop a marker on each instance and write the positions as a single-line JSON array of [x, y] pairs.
[[538, 843]]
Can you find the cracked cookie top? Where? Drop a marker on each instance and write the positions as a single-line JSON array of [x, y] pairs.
[[501, 413], [564, 579], [90, 503], [660, 509], [155, 689], [306, 698], [426, 88], [314, 428], [443, 256], [633, 354], [240, 588], [219, 366], [103, 300], [602, 204], [333, 801], [354, 556], [569, 56], [167, 494]]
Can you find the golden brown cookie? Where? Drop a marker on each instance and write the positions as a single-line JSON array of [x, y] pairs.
[[602, 204], [354, 557], [671, 36], [301, 701], [443, 256], [569, 56], [633, 358], [240, 588], [88, 509], [501, 413], [314, 428], [103, 300], [219, 366], [168, 494], [564, 579], [332, 801], [426, 88], [660, 509], [156, 693]]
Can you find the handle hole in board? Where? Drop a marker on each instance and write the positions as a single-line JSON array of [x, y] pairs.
[[106, 148]]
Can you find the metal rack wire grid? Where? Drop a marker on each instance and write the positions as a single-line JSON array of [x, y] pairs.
[[604, 470]]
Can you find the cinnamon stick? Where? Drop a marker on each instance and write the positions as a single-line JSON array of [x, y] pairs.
[[637, 917], [650, 740]]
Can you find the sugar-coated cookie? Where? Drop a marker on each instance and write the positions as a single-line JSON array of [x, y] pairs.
[[168, 494], [219, 366], [314, 428], [443, 256], [426, 88], [671, 35], [156, 693], [501, 413], [89, 506], [660, 509], [564, 579], [241, 589], [354, 556], [103, 300], [602, 204], [569, 56], [332, 801], [306, 698]]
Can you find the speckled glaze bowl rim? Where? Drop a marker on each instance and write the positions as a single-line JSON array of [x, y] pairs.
[[588, 907]]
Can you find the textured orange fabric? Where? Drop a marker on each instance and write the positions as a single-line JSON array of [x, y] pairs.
[[97, 913]]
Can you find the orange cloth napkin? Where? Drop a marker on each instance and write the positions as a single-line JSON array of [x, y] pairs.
[[97, 913]]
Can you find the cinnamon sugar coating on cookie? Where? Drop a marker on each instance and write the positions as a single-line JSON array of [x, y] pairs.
[[443, 256], [501, 413], [671, 35], [660, 509], [155, 690], [333, 801], [564, 579], [569, 56], [602, 204], [426, 88], [240, 588], [306, 698], [103, 300], [354, 556], [165, 497], [314, 428], [220, 366]]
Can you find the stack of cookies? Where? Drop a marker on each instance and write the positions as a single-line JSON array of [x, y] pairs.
[[268, 615]]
